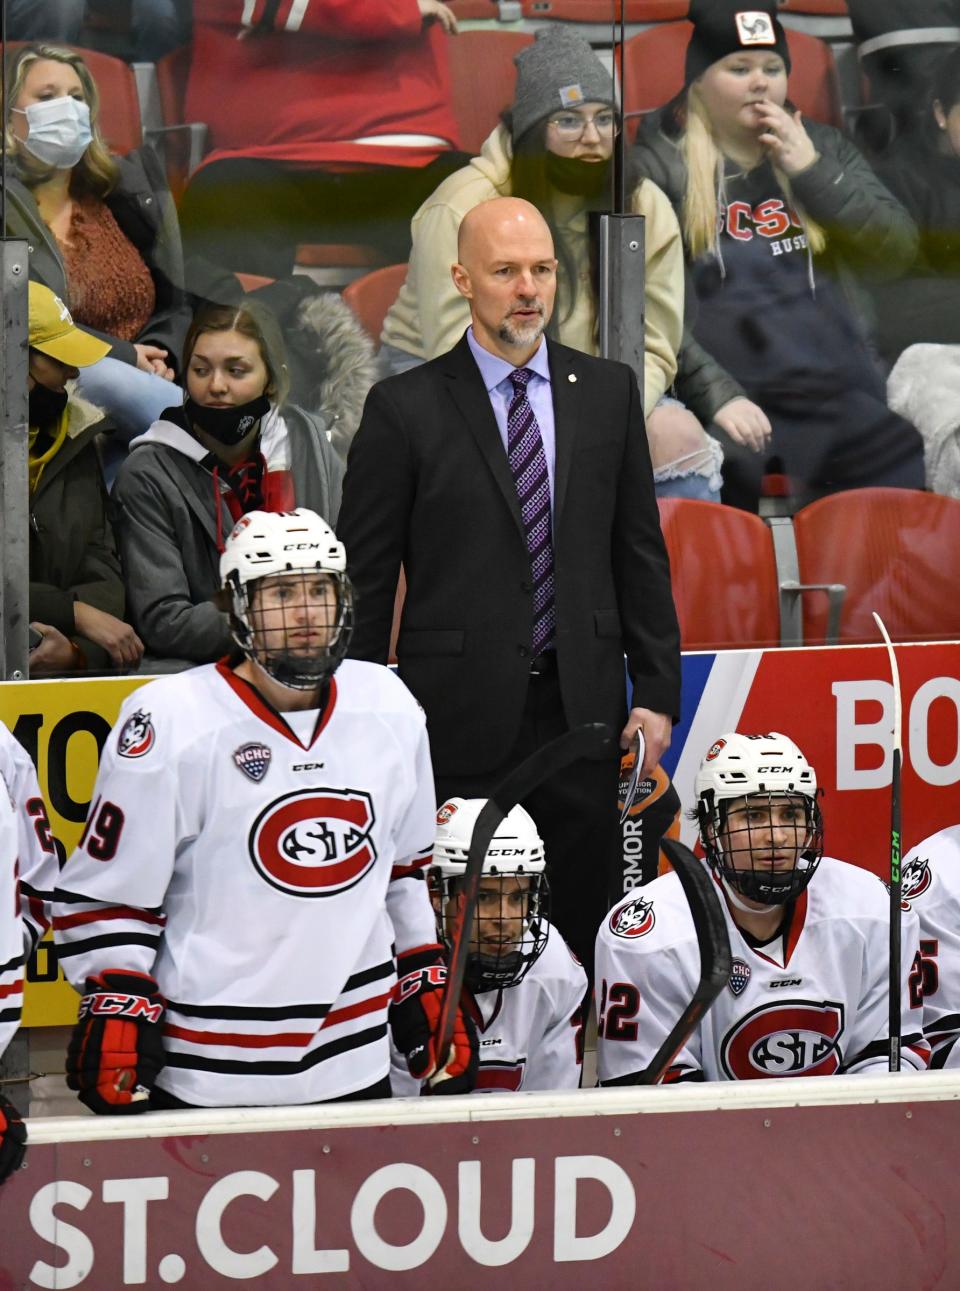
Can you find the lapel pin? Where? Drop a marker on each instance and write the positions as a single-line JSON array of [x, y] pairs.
[[572, 376]]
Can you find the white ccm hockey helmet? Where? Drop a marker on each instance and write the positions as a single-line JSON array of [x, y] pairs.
[[296, 544], [761, 768], [509, 929]]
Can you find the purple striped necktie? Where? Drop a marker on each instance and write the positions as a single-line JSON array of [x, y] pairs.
[[528, 464]]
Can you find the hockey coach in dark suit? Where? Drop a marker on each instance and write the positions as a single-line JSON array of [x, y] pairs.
[[511, 478]]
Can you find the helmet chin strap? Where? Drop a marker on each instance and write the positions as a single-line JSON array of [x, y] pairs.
[[746, 909]]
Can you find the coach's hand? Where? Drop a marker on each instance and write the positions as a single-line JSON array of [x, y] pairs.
[[657, 730], [13, 1139], [415, 1016], [116, 1052]]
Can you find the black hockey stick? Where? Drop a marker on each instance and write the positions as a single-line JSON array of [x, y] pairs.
[[896, 976], [519, 784], [715, 960]]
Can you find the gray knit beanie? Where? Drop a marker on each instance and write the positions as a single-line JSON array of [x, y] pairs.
[[559, 70]]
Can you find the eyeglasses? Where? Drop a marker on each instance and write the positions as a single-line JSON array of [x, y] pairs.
[[571, 125]]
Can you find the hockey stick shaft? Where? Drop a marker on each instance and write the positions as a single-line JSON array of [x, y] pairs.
[[896, 975], [715, 960], [542, 765]]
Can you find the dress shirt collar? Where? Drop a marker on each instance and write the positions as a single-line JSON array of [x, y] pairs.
[[495, 370]]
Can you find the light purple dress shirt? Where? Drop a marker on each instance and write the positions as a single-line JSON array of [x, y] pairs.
[[496, 377]]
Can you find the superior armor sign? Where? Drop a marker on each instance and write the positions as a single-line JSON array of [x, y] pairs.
[[679, 1187]]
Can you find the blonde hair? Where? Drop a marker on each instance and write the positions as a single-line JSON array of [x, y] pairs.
[[704, 163], [96, 172]]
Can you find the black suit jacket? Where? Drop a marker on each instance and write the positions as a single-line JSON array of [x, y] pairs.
[[428, 484]]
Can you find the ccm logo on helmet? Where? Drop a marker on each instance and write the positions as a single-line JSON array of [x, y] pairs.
[[315, 843], [301, 546], [796, 1039]]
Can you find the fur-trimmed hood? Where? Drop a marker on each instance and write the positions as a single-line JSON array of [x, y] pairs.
[[336, 387]]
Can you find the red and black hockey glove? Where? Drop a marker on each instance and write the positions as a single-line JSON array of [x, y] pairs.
[[414, 1017], [116, 1051], [13, 1139]]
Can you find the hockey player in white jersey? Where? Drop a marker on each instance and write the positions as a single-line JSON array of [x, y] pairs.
[[930, 878], [252, 855], [13, 953], [808, 990], [36, 848], [522, 982]]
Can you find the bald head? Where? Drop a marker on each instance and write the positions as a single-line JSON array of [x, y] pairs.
[[507, 271], [498, 224]]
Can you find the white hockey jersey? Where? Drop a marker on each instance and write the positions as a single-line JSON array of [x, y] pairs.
[[12, 947], [39, 867], [262, 870], [930, 876], [531, 1034], [816, 1005]]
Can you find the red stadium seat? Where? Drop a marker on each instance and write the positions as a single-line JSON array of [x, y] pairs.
[[723, 573], [119, 104], [655, 62], [372, 295], [827, 8], [606, 10], [483, 78], [897, 551]]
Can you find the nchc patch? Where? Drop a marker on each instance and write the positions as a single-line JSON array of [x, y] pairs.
[[137, 736], [253, 760], [739, 976], [634, 919]]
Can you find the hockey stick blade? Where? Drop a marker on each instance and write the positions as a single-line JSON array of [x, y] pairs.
[[546, 762], [715, 960]]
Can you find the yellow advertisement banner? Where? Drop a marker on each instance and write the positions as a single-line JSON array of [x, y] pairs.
[[63, 726]]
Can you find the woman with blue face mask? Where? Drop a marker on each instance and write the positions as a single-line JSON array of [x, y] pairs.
[[101, 230]]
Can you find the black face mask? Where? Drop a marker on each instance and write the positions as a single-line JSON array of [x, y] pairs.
[[228, 426], [45, 407], [579, 178]]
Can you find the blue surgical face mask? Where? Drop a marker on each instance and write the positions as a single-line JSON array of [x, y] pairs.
[[58, 131]]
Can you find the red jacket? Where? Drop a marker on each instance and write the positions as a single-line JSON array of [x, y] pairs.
[[325, 73]]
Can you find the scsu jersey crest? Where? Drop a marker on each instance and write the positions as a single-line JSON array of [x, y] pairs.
[[799, 1039], [315, 843]]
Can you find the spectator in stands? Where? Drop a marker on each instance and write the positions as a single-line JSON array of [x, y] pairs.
[[899, 43], [156, 26], [923, 171], [328, 122], [102, 233], [555, 148], [777, 215], [235, 446], [76, 592]]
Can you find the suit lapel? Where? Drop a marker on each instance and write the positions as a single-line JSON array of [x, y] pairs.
[[470, 395], [565, 389]]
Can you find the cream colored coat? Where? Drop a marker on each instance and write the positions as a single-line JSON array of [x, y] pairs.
[[429, 316]]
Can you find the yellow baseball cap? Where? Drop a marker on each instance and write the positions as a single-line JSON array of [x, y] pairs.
[[54, 333]]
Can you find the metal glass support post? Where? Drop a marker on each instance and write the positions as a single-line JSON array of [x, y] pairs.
[[14, 491], [620, 264]]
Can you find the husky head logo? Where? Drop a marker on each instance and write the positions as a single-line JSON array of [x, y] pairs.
[[137, 736], [634, 919], [915, 880]]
